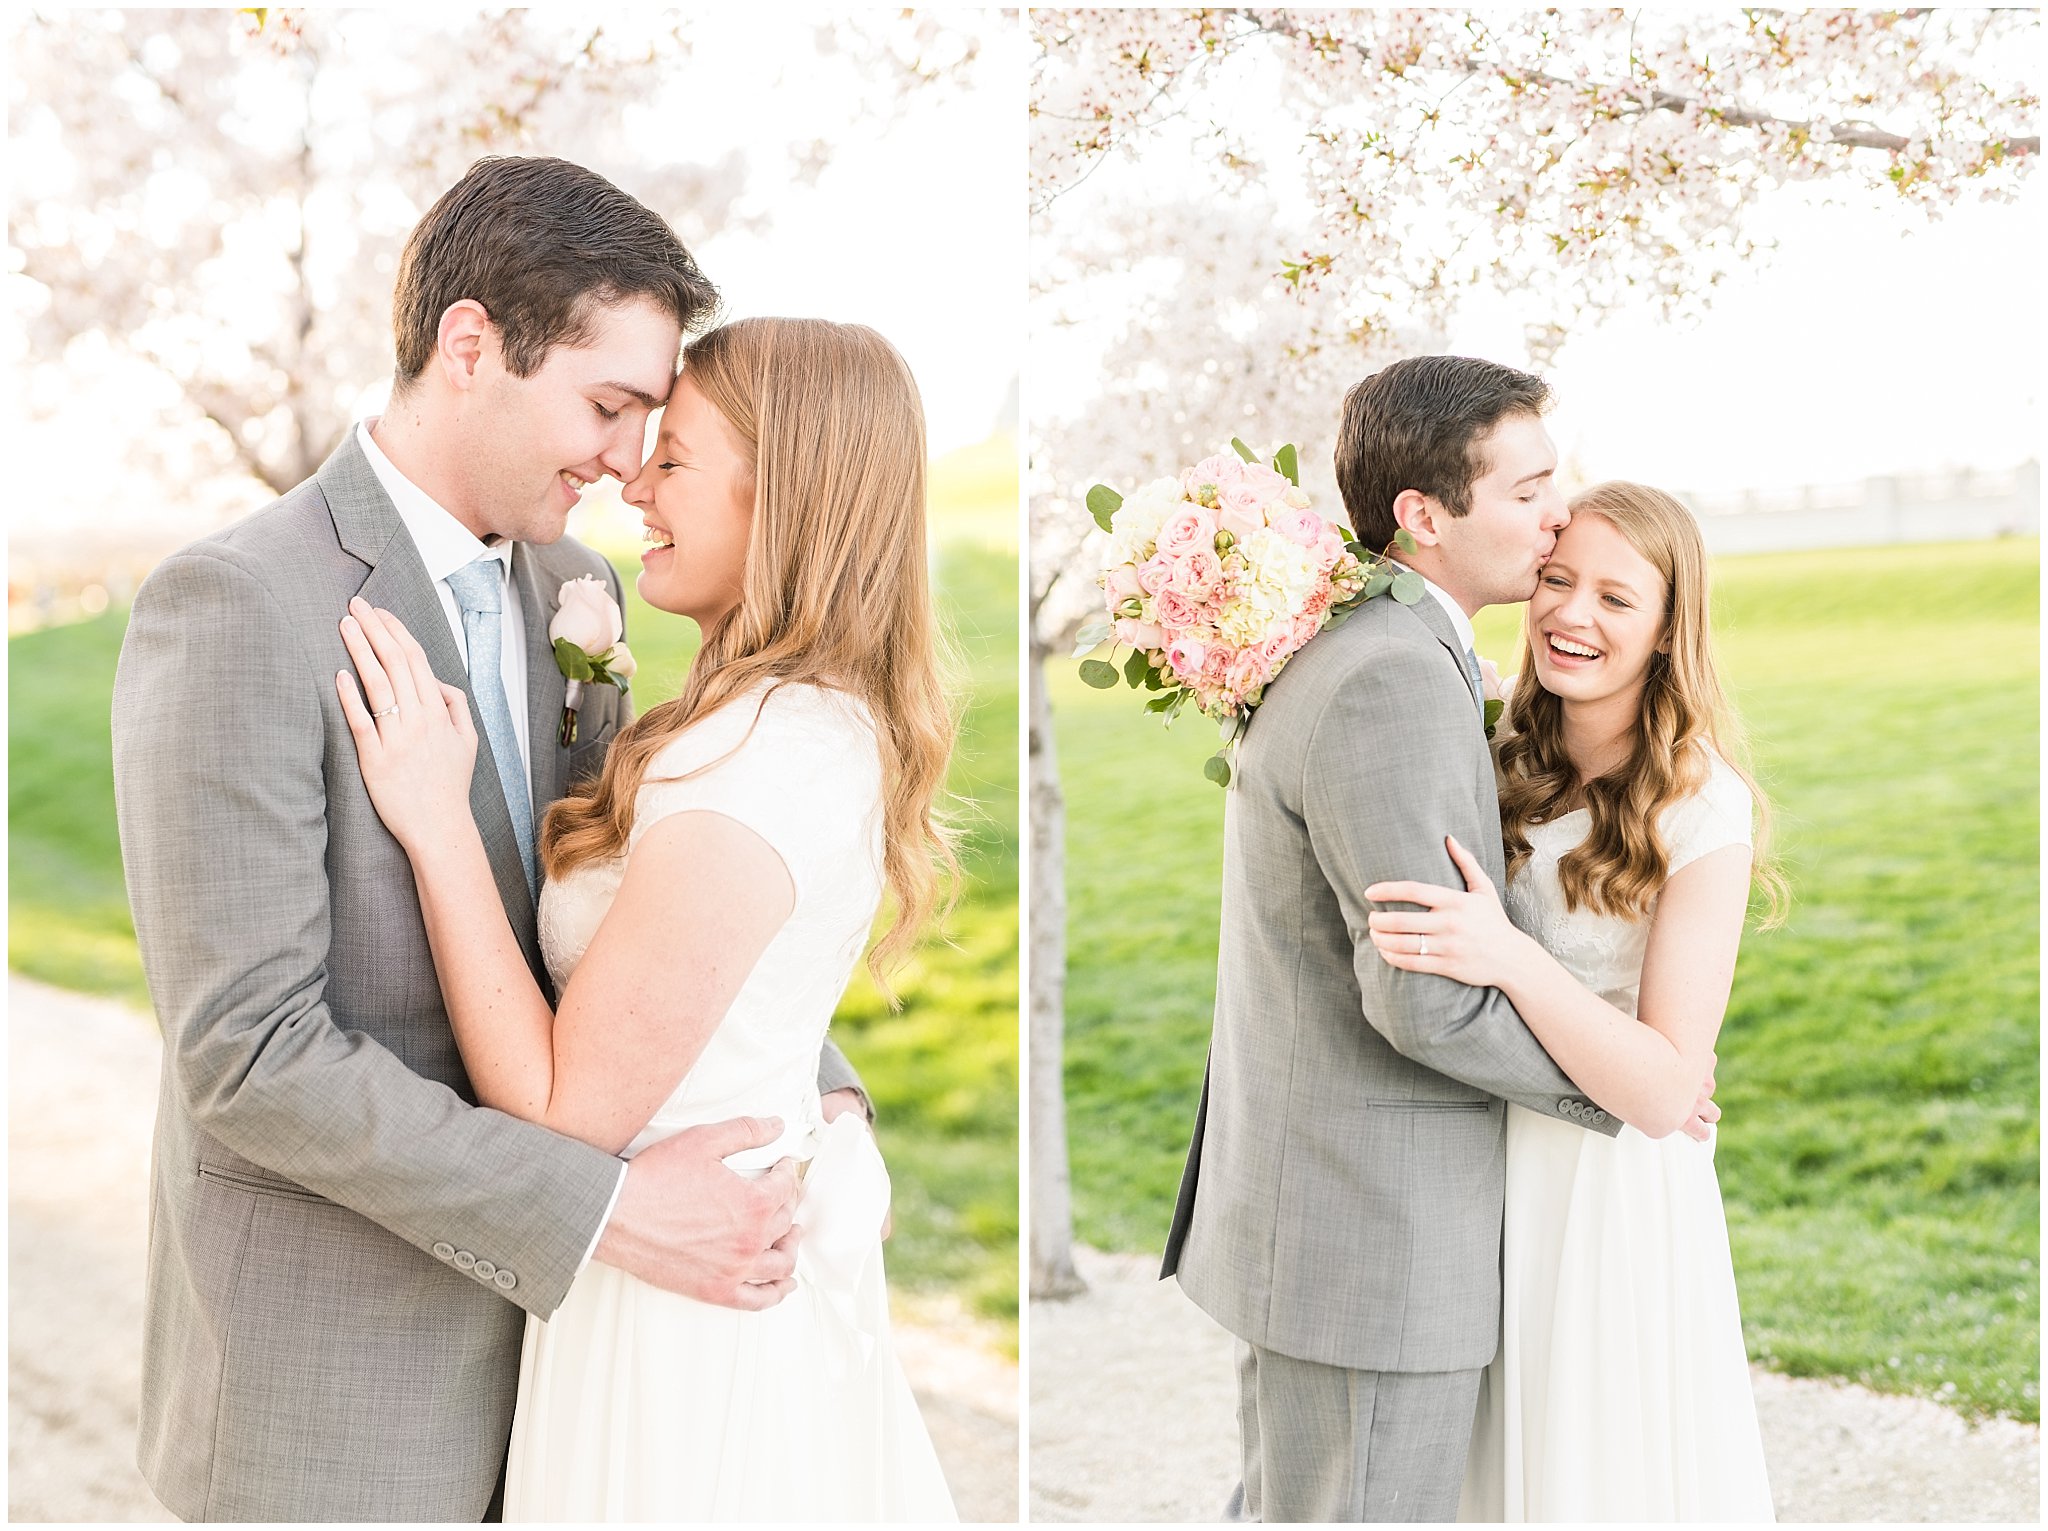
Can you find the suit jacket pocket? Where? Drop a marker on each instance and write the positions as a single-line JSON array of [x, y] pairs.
[[1431, 1105], [261, 1185]]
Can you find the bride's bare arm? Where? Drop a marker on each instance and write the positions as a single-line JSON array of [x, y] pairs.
[[701, 898], [1647, 1068]]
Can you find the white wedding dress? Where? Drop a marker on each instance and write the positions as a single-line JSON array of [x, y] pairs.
[[637, 1404], [1621, 1390]]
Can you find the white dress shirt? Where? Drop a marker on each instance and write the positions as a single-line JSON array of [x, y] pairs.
[[446, 545]]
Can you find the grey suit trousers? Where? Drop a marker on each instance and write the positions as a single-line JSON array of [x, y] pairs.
[[1326, 1443]]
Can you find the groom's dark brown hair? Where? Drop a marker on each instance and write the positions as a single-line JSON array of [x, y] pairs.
[[541, 244], [1417, 425]]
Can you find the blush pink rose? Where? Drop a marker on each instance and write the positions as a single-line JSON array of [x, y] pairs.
[[1186, 656], [1218, 470], [587, 616], [1154, 574], [1140, 635], [1198, 574], [1303, 528], [1175, 610], [1241, 523], [1120, 583], [1185, 532]]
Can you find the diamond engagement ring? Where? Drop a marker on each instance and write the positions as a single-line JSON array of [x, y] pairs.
[[1422, 947], [388, 712]]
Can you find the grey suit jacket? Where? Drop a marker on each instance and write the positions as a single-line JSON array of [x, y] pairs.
[[1342, 1197], [341, 1241]]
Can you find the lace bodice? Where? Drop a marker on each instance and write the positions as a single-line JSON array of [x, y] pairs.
[[1605, 952], [806, 777]]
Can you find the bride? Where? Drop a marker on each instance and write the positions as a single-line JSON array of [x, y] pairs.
[[706, 900], [1621, 1388]]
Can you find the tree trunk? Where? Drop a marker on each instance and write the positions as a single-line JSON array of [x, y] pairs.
[[1052, 1211]]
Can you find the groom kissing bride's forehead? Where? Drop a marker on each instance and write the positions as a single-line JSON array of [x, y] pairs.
[[1341, 1207], [1453, 449], [344, 1249]]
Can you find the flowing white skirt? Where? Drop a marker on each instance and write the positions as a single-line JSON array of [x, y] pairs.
[[1621, 1391], [637, 1404]]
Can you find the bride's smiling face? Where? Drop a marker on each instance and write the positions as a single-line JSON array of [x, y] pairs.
[[1598, 614], [695, 494]]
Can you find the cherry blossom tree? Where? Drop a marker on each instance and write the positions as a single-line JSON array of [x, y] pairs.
[[221, 196], [1238, 212]]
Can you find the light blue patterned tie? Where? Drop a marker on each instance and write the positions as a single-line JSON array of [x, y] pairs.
[[1478, 681], [480, 591]]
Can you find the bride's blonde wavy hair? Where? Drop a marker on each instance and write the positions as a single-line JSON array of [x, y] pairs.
[[1621, 865], [835, 593]]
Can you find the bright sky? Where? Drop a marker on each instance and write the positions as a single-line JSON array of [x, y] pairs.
[[915, 226], [1870, 342], [917, 231]]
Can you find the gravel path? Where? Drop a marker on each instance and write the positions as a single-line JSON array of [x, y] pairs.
[[1134, 1418], [82, 1100]]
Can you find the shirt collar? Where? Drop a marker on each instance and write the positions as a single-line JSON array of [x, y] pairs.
[[1460, 623], [444, 543]]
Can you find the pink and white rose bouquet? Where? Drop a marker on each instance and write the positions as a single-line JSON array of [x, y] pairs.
[[1215, 578]]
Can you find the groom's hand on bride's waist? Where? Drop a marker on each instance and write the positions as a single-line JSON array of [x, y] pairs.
[[688, 1224], [1704, 1112]]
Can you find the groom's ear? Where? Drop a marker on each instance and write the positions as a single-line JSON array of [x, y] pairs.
[[459, 345], [1415, 513]]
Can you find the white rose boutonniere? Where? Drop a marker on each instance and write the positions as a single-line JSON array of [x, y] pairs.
[[585, 633]]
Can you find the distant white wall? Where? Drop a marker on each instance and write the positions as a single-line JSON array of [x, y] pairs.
[[1969, 506]]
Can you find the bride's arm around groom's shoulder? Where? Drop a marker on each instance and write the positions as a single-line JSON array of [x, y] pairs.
[[254, 884], [1396, 760]]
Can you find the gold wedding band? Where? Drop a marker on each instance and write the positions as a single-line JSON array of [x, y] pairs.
[[1422, 947]]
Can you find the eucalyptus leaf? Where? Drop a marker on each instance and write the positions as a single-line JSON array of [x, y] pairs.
[[1217, 769], [1090, 636], [1242, 450], [1096, 673], [1155, 680], [1403, 539], [1137, 667], [1378, 584], [1287, 462], [1407, 587], [1159, 703], [1494, 708], [1102, 504]]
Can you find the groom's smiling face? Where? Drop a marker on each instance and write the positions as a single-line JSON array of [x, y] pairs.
[[535, 442]]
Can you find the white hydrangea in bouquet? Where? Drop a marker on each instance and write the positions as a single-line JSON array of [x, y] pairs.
[[1215, 578]]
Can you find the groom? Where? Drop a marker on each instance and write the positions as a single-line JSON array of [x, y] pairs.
[[1341, 1207], [343, 1246]]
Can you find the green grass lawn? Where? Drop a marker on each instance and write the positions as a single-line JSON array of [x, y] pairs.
[[943, 1069], [1879, 1065]]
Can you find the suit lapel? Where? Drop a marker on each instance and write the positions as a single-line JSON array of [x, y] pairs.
[[369, 528], [545, 688], [1437, 620]]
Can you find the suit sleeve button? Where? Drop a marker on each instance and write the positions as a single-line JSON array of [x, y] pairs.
[[444, 1251], [505, 1281], [1565, 1107], [485, 1270], [1599, 1116], [464, 1260]]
